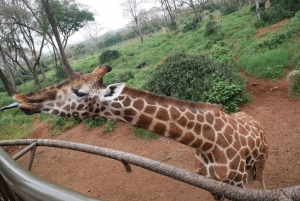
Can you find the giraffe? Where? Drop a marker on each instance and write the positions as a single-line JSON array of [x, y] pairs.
[[267, 4], [218, 17], [228, 147], [73, 59], [164, 29]]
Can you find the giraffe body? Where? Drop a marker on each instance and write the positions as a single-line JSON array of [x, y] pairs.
[[227, 146]]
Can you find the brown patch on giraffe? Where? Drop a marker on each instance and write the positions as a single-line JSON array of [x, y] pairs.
[[115, 112], [159, 128], [73, 106], [228, 131], [50, 104], [128, 119], [126, 102], [220, 156], [129, 112], [67, 108], [80, 106], [221, 140], [182, 121], [138, 104], [188, 137], [197, 143], [208, 132], [175, 114], [221, 171], [162, 114], [55, 112], [150, 109], [190, 125], [189, 115], [209, 118], [144, 121], [233, 165], [200, 118], [231, 153], [219, 124], [206, 146], [116, 105], [174, 131], [197, 128]]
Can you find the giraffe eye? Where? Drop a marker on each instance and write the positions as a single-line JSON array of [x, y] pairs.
[[79, 93]]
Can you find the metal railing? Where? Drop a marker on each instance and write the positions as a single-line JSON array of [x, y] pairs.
[[215, 187]]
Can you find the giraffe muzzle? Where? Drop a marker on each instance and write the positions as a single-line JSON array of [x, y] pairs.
[[16, 104]]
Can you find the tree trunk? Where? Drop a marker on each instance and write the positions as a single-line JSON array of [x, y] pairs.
[[257, 9], [63, 56], [10, 87]]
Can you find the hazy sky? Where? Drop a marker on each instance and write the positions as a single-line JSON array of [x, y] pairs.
[[109, 13]]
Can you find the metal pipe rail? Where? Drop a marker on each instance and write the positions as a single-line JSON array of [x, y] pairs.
[[213, 186]]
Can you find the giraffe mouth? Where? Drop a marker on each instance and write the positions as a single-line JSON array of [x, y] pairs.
[[16, 104]]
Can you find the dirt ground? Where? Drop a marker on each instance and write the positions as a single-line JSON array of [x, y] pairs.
[[107, 179]]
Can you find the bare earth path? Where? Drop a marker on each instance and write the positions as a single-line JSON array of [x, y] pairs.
[[107, 179]]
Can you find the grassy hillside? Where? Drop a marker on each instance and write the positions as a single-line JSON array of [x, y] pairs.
[[262, 52]]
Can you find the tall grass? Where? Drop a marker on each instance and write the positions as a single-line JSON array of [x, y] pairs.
[[270, 64]]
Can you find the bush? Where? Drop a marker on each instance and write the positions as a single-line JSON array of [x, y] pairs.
[[93, 122], [210, 27], [192, 77], [108, 56], [293, 79], [189, 27], [61, 123]]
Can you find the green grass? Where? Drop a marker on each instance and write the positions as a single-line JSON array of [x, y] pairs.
[[270, 64]]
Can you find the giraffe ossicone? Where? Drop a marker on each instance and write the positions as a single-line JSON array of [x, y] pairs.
[[229, 148]]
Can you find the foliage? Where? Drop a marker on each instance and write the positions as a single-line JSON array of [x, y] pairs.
[[293, 79], [278, 11], [229, 9], [269, 64], [222, 53], [270, 43], [292, 27], [108, 56], [109, 126], [180, 74], [61, 123], [229, 95], [137, 132], [94, 122], [189, 27], [69, 17], [211, 27]]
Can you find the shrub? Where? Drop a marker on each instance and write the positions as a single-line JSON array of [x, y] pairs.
[[293, 79], [93, 122], [189, 27], [191, 77], [137, 132], [61, 123], [210, 27], [108, 55]]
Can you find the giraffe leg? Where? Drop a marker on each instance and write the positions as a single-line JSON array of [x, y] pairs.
[[260, 166], [250, 178]]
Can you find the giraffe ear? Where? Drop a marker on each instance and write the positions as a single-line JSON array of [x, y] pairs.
[[111, 92]]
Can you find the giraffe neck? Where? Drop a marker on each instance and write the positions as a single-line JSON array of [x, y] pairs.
[[188, 122]]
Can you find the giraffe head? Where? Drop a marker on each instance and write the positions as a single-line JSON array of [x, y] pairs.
[[81, 95]]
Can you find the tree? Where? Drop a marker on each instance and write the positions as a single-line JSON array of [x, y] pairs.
[[257, 9], [92, 32], [171, 8], [132, 8], [197, 6], [52, 22]]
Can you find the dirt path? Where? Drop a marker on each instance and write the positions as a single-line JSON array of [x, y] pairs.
[[107, 179]]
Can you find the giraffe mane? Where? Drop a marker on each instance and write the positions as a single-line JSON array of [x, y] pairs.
[[135, 93]]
